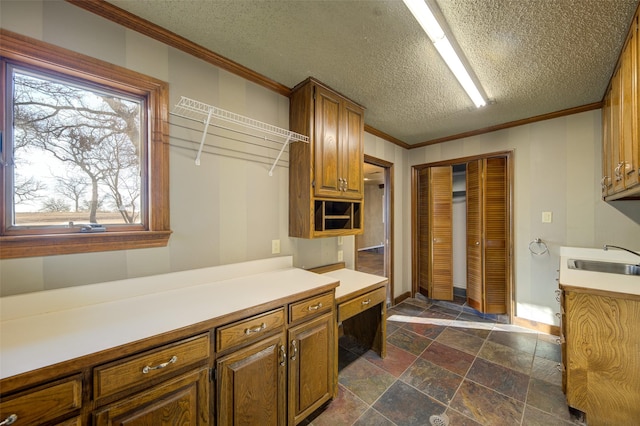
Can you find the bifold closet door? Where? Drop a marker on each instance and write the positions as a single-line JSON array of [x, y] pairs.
[[487, 235], [436, 242]]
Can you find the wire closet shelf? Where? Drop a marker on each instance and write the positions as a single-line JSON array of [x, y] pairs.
[[203, 113]]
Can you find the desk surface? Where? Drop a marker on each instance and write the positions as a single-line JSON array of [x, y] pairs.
[[354, 283]]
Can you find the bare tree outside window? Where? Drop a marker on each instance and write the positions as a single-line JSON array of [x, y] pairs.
[[76, 152]]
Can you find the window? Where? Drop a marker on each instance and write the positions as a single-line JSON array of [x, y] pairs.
[[84, 161]]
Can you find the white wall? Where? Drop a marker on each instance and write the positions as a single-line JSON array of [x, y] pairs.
[[228, 209], [557, 169]]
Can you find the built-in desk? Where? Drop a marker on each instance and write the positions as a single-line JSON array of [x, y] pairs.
[[360, 305]]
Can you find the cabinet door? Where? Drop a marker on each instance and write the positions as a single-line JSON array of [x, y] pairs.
[[616, 131], [628, 168], [182, 400], [327, 142], [251, 385], [608, 165], [311, 366], [351, 154], [603, 366]]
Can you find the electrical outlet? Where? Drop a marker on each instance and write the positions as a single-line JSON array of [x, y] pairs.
[[275, 246], [340, 240], [547, 217], [340, 255]]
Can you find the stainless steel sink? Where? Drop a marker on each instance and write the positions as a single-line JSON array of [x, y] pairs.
[[600, 266]]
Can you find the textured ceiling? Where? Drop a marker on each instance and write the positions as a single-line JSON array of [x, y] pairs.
[[531, 57]]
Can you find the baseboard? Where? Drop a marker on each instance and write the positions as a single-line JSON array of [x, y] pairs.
[[537, 326], [402, 297]]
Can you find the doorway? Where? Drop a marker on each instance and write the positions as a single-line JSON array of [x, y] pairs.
[[462, 232], [374, 246]]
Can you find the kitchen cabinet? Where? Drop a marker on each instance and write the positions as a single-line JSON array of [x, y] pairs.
[[225, 358], [601, 366], [57, 402], [621, 124], [251, 384], [181, 400], [251, 380], [325, 175]]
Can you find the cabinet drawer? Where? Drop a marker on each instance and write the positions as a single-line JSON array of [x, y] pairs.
[[45, 403], [249, 330], [311, 307], [140, 369], [362, 303]]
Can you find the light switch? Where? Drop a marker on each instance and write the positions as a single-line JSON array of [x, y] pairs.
[[547, 217], [340, 255], [275, 246], [340, 241]]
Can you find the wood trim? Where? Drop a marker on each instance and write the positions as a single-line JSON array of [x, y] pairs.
[[404, 296], [388, 166], [133, 22], [542, 117], [388, 138], [537, 326], [54, 59], [327, 268]]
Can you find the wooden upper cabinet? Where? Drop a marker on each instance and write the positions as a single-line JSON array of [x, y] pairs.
[[621, 124], [326, 180]]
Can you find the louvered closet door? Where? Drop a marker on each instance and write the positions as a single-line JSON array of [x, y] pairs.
[[474, 235], [495, 235], [487, 235], [424, 262], [441, 232]]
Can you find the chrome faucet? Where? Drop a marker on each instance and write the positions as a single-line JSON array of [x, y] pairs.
[[608, 246]]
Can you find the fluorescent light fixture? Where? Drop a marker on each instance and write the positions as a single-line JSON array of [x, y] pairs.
[[430, 25]]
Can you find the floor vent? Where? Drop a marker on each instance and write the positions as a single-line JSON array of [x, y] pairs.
[[439, 420]]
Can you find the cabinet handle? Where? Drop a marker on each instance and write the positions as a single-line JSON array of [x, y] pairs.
[[257, 329], [315, 307], [283, 355], [366, 302], [294, 350], [558, 315], [147, 368], [560, 367], [560, 340], [9, 420], [604, 182]]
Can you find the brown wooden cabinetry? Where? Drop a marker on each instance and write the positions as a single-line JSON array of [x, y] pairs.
[[311, 366], [326, 174], [600, 354], [621, 124], [252, 372], [180, 400], [57, 402]]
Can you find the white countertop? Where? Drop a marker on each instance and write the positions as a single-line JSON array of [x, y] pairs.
[[45, 328], [627, 284], [353, 281]]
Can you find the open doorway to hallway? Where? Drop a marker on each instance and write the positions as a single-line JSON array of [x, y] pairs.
[[374, 246]]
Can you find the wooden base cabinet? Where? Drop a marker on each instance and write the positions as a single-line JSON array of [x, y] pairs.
[[601, 359], [282, 377], [311, 367], [251, 384], [180, 401]]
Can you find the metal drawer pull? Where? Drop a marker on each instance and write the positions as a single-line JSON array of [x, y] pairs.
[[146, 368], [366, 302], [257, 329], [315, 307], [283, 356], [294, 352], [9, 420]]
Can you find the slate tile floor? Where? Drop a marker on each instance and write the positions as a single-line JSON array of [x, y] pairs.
[[445, 360]]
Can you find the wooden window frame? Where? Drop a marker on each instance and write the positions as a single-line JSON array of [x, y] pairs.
[[30, 52]]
